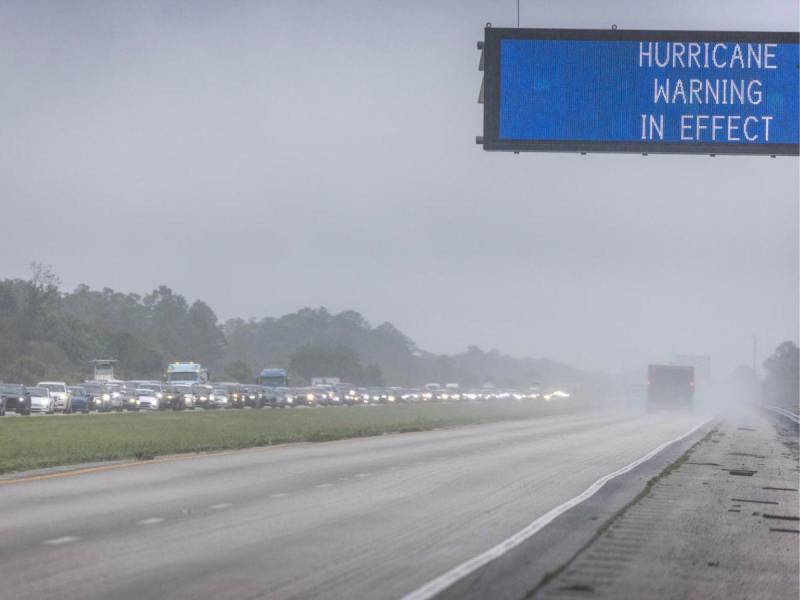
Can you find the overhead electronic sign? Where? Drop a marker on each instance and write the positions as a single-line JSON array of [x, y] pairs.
[[686, 92]]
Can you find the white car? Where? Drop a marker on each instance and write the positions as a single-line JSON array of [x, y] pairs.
[[41, 400], [60, 394], [219, 398], [147, 399], [151, 395]]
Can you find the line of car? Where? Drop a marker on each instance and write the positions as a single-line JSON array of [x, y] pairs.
[[49, 397]]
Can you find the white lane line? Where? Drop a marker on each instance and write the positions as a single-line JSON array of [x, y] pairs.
[[325, 485], [344, 479], [279, 495], [150, 521], [362, 475], [220, 506], [62, 540], [441, 583]]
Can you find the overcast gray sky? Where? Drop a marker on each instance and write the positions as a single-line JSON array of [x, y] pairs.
[[266, 156]]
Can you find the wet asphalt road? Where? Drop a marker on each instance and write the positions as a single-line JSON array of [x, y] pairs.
[[363, 518]]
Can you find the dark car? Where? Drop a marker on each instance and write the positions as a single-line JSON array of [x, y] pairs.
[[130, 400], [172, 397], [14, 398], [379, 396], [271, 396], [254, 395], [80, 399], [326, 395], [202, 394], [98, 395], [304, 397], [282, 397], [236, 393]]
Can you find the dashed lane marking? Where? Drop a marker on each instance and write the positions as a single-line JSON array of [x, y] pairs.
[[62, 540]]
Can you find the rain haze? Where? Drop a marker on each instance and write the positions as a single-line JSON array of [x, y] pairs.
[[323, 154], [286, 312]]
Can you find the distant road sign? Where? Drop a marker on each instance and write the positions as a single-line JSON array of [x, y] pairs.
[[685, 92]]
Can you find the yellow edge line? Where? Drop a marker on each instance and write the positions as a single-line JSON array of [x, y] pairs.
[[189, 456], [141, 463]]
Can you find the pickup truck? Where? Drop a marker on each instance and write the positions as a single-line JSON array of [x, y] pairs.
[[14, 398]]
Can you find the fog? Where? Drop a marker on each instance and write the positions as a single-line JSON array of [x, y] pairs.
[[266, 156]]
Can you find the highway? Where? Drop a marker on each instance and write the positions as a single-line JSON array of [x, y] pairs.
[[363, 518]]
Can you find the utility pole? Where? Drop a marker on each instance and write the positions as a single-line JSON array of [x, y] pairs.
[[755, 355]]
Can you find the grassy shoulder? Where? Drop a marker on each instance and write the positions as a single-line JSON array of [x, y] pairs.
[[37, 442]]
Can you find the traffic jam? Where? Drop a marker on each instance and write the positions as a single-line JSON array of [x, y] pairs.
[[187, 387]]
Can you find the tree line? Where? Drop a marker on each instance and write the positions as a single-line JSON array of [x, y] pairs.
[[49, 333]]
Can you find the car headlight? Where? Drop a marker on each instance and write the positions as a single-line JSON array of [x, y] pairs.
[[289, 401], [212, 397], [159, 395], [115, 394], [106, 397]]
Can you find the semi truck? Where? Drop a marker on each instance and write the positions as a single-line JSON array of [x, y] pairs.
[[104, 369], [273, 377], [670, 387], [188, 373]]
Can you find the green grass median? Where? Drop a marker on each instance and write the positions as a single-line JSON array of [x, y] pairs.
[[47, 441]]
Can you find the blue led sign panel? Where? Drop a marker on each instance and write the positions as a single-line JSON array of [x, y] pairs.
[[642, 91]]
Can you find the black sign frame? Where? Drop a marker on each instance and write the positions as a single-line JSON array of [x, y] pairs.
[[491, 108]]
